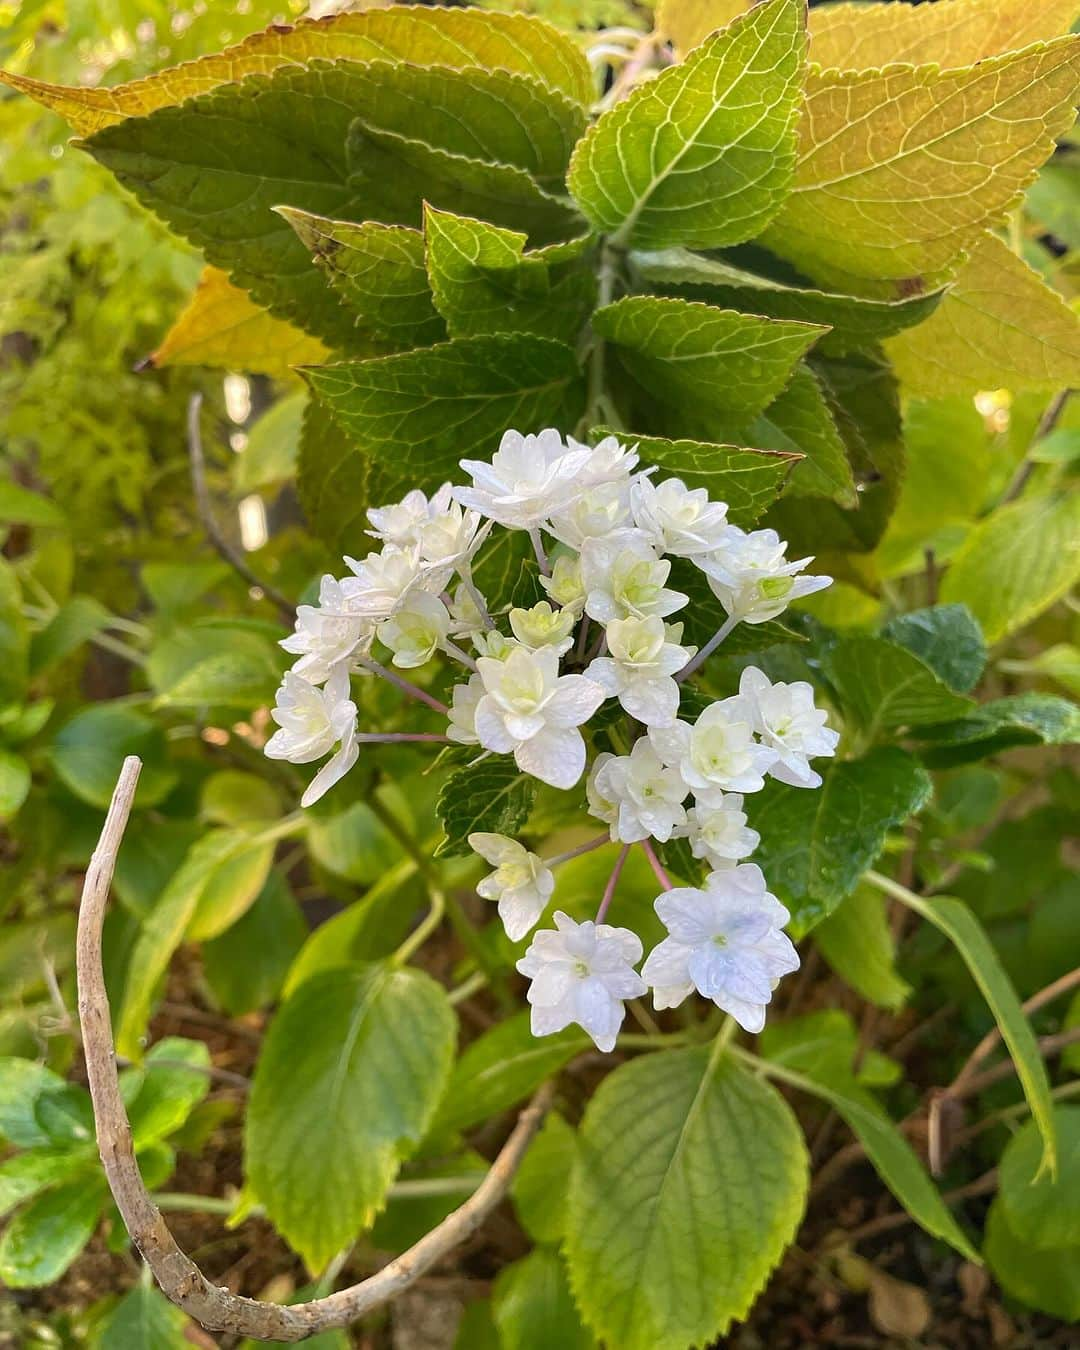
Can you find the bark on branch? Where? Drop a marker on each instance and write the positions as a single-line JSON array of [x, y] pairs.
[[180, 1279]]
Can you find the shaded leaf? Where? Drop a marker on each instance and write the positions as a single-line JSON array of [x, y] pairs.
[[43, 1239], [532, 1306], [1042, 1210], [144, 1318], [947, 639], [1020, 719], [541, 1186], [1047, 1279], [857, 942], [89, 751], [799, 421], [247, 964], [492, 796], [886, 685]]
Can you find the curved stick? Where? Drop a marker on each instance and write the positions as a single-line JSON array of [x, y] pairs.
[[180, 1279]]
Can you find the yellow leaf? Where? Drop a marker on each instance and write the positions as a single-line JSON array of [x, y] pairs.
[[902, 169], [223, 328], [688, 22], [462, 39], [949, 33], [999, 326]]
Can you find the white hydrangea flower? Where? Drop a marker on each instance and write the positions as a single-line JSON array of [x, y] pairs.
[[644, 656], [543, 626], [382, 581], [719, 833], [520, 883], [726, 942], [582, 973], [751, 577], [451, 537], [326, 634], [592, 514], [416, 629], [646, 794], [465, 612], [678, 519], [462, 714], [623, 578], [401, 523], [609, 461], [601, 806], [718, 753], [529, 479], [787, 721], [531, 711], [564, 586], [490, 642], [312, 721]]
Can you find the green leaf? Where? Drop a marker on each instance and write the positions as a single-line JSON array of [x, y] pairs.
[[969, 938], [346, 1085], [236, 797], [20, 506], [689, 354], [484, 281], [269, 457], [66, 1115], [230, 888], [340, 141], [22, 1083], [947, 639], [14, 637], [14, 782], [885, 685], [704, 154], [1017, 562], [857, 942], [144, 1318], [855, 322], [1021, 719], [89, 751], [243, 679], [1000, 325], [876, 145], [748, 480], [500, 1069], [1042, 1211], [825, 1045], [799, 421], [1047, 1279], [532, 1306], [43, 1239], [462, 39], [816, 845], [175, 587], [246, 966], [492, 796], [75, 622], [895, 1161], [354, 844], [378, 272], [331, 480], [541, 1186], [690, 1183], [39, 1169], [421, 412], [172, 1082]]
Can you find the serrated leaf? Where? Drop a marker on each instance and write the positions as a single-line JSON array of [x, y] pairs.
[[688, 22], [378, 272], [1042, 1211], [331, 480], [969, 938], [144, 1318], [685, 352], [704, 154], [875, 146], [1045, 1279], [501, 1068], [421, 412], [222, 327], [1000, 325], [1017, 562], [346, 1085], [816, 845], [953, 33], [1020, 719], [333, 140], [484, 281], [690, 1182], [748, 480], [799, 421], [532, 1306], [895, 1161], [460, 39], [43, 1239], [885, 685], [947, 639], [492, 796], [858, 944], [855, 322]]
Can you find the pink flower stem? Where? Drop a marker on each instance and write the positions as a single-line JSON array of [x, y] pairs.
[[406, 686], [613, 881], [386, 737], [538, 549], [598, 842], [465, 573], [452, 649], [710, 646], [656, 865], [583, 639]]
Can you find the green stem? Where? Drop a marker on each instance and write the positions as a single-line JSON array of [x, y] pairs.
[[196, 1204], [596, 403], [424, 928]]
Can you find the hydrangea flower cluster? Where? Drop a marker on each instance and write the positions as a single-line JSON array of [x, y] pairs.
[[604, 534]]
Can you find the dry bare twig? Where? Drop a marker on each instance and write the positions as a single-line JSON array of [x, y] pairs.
[[180, 1279]]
